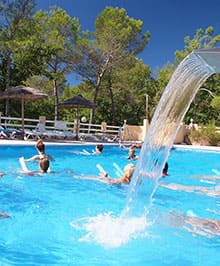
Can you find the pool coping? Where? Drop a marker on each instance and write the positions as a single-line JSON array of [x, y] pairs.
[[5, 142]]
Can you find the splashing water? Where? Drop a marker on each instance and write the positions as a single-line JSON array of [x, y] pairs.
[[189, 76], [110, 231]]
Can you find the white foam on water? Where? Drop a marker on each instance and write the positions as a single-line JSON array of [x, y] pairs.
[[111, 232]]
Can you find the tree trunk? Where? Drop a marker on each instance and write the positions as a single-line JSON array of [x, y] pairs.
[[99, 80], [56, 101], [7, 81], [92, 111], [112, 100]]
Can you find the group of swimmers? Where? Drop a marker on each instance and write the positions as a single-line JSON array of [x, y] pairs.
[[129, 168], [44, 163], [44, 166]]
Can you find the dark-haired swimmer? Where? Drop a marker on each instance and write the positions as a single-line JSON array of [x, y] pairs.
[[165, 170], [137, 145], [99, 148], [132, 155]]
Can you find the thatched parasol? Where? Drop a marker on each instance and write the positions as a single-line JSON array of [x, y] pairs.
[[77, 102], [23, 93]]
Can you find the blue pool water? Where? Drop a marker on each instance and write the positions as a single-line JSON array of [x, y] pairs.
[[70, 218]]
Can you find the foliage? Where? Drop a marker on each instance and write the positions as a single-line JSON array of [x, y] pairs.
[[202, 39], [216, 103], [202, 109], [206, 135], [14, 33], [40, 49], [57, 34], [117, 38]]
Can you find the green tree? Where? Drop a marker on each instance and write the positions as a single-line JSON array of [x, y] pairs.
[[15, 15], [202, 39], [117, 36], [216, 105], [129, 86], [201, 109], [56, 33]]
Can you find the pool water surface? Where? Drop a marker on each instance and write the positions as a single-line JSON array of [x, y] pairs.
[[70, 217]]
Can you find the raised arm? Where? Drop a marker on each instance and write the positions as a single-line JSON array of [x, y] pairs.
[[34, 158]]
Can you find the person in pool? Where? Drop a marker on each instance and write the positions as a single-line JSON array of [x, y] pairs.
[[99, 148], [165, 170], [4, 215], [125, 179], [132, 155], [137, 145], [44, 159]]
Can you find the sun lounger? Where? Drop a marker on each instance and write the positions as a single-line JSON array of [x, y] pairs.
[[40, 132], [10, 133], [60, 132]]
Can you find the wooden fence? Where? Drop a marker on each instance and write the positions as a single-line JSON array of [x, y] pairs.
[[84, 130]]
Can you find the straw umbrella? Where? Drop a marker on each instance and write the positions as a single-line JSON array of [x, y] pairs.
[[23, 93], [78, 101]]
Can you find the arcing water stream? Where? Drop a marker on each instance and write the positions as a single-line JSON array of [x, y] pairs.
[[189, 76]]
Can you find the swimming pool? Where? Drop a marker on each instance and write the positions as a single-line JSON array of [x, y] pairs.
[[69, 218]]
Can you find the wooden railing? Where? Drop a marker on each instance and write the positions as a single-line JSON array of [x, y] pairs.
[[84, 129]]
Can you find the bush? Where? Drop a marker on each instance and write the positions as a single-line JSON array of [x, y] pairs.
[[206, 135]]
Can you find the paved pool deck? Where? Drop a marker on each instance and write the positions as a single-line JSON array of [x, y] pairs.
[[5, 142]]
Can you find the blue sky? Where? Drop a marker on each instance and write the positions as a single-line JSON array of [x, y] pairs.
[[168, 21]]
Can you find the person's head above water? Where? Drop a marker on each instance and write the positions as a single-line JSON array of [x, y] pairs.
[[40, 146], [131, 154], [99, 148], [129, 170]]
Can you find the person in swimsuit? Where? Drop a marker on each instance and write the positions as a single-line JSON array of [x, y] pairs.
[[125, 179], [44, 159]]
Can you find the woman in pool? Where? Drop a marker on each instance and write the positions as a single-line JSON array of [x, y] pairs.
[[125, 179], [44, 159]]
